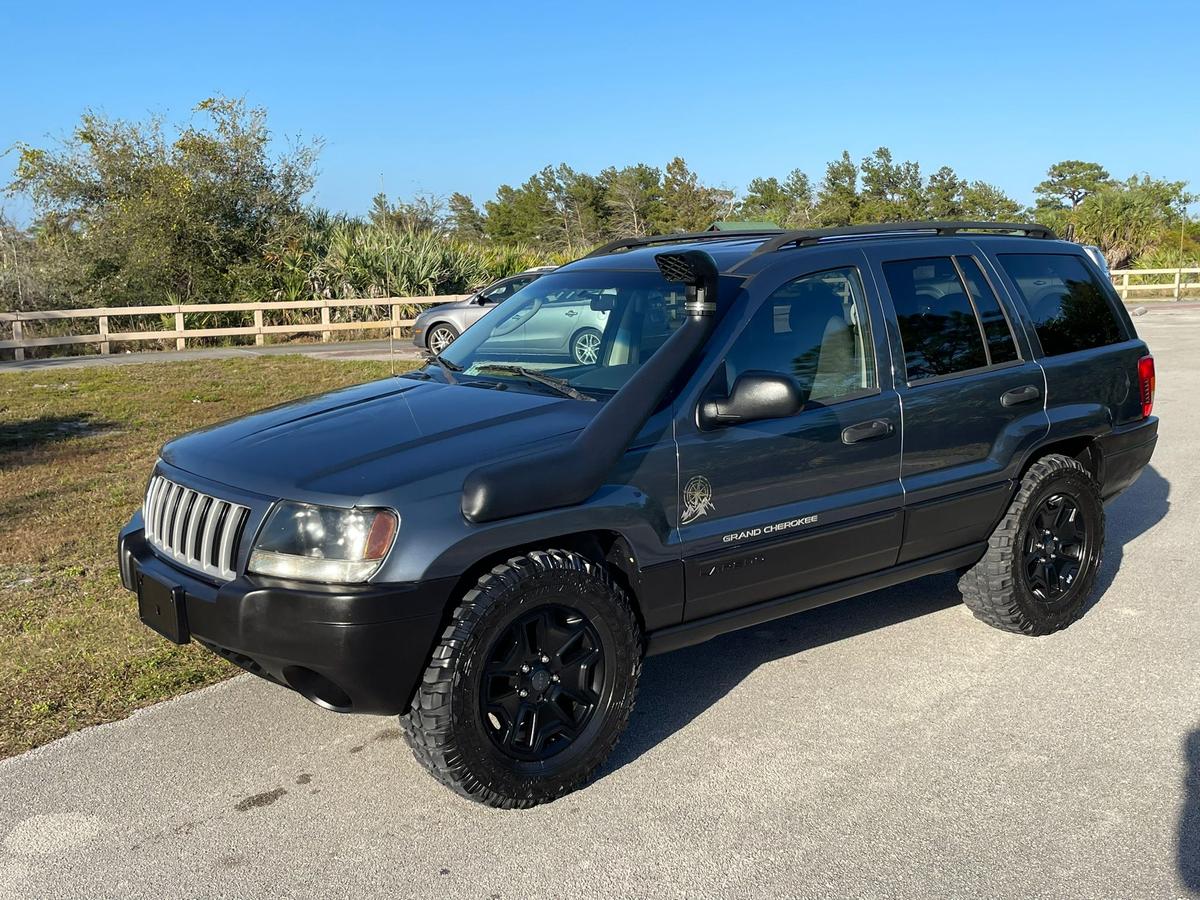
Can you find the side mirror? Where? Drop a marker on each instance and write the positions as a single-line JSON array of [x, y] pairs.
[[755, 396], [481, 299], [603, 303]]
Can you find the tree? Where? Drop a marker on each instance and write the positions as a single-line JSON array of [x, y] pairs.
[[1070, 181], [1126, 219], [765, 201], [466, 221], [891, 191], [837, 197], [522, 215], [799, 192], [578, 201], [632, 198], [789, 205], [944, 195], [687, 204], [136, 217], [424, 212], [983, 201]]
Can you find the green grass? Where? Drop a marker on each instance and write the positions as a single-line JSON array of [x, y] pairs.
[[76, 448]]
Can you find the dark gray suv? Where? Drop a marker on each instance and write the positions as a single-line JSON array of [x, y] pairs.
[[490, 546]]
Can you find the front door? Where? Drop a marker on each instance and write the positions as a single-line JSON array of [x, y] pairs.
[[773, 507]]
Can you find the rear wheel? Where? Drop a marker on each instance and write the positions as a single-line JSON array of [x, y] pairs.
[[585, 346], [441, 336], [531, 684], [1043, 557]]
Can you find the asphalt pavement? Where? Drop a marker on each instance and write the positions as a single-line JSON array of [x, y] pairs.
[[889, 745]]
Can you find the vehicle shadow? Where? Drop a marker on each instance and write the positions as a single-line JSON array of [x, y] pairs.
[[1189, 819], [678, 687], [1135, 512], [34, 434]]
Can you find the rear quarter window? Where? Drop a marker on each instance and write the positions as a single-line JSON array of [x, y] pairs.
[[1069, 305]]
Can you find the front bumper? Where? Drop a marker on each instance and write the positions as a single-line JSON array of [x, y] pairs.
[[418, 333], [351, 648]]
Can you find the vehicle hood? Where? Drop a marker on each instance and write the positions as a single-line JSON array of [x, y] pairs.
[[468, 303], [361, 444]]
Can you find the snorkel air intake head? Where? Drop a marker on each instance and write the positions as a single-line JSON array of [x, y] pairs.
[[567, 475], [696, 269]]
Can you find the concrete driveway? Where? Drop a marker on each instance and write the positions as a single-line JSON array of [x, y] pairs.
[[887, 746]]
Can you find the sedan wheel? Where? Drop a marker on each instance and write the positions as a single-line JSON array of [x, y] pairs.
[[441, 337], [585, 347]]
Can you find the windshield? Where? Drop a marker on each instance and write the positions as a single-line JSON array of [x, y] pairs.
[[590, 330]]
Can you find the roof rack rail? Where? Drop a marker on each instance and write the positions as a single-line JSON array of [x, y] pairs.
[[931, 228], [628, 243]]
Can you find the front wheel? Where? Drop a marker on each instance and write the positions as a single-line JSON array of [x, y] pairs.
[[1043, 557], [441, 336], [531, 684]]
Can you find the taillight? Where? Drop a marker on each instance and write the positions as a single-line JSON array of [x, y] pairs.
[[1146, 384]]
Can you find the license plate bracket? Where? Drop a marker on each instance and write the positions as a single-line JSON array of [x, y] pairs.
[[161, 607]]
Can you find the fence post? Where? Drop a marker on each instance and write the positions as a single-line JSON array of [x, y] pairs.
[[1124, 285], [1179, 283], [104, 346], [18, 335], [326, 336], [258, 326], [395, 321], [179, 341]]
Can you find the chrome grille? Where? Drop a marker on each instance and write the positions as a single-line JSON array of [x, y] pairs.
[[193, 529]]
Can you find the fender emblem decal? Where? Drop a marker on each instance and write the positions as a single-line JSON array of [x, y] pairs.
[[697, 499]]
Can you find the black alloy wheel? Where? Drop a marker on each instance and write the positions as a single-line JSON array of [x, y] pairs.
[[1055, 546], [542, 683]]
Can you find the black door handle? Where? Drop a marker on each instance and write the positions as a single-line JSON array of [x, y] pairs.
[[1019, 395], [866, 431]]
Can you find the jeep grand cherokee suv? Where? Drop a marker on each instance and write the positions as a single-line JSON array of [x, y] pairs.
[[772, 421]]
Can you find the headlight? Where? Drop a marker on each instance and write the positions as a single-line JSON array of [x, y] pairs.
[[323, 543]]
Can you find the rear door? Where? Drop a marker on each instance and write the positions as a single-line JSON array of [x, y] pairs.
[[972, 395], [774, 507], [1090, 351]]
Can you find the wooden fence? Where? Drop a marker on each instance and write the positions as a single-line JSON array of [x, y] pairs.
[[1156, 284], [181, 333]]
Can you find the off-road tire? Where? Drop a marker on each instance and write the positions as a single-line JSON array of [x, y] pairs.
[[996, 589], [444, 724]]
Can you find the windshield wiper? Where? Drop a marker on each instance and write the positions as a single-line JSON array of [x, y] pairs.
[[559, 384], [448, 367]]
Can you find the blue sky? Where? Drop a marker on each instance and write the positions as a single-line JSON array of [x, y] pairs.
[[437, 97]]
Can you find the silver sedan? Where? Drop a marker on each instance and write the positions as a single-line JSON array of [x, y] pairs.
[[565, 325]]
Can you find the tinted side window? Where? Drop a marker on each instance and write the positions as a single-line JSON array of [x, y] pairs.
[[1001, 347], [937, 323], [813, 329], [1068, 304], [506, 289]]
